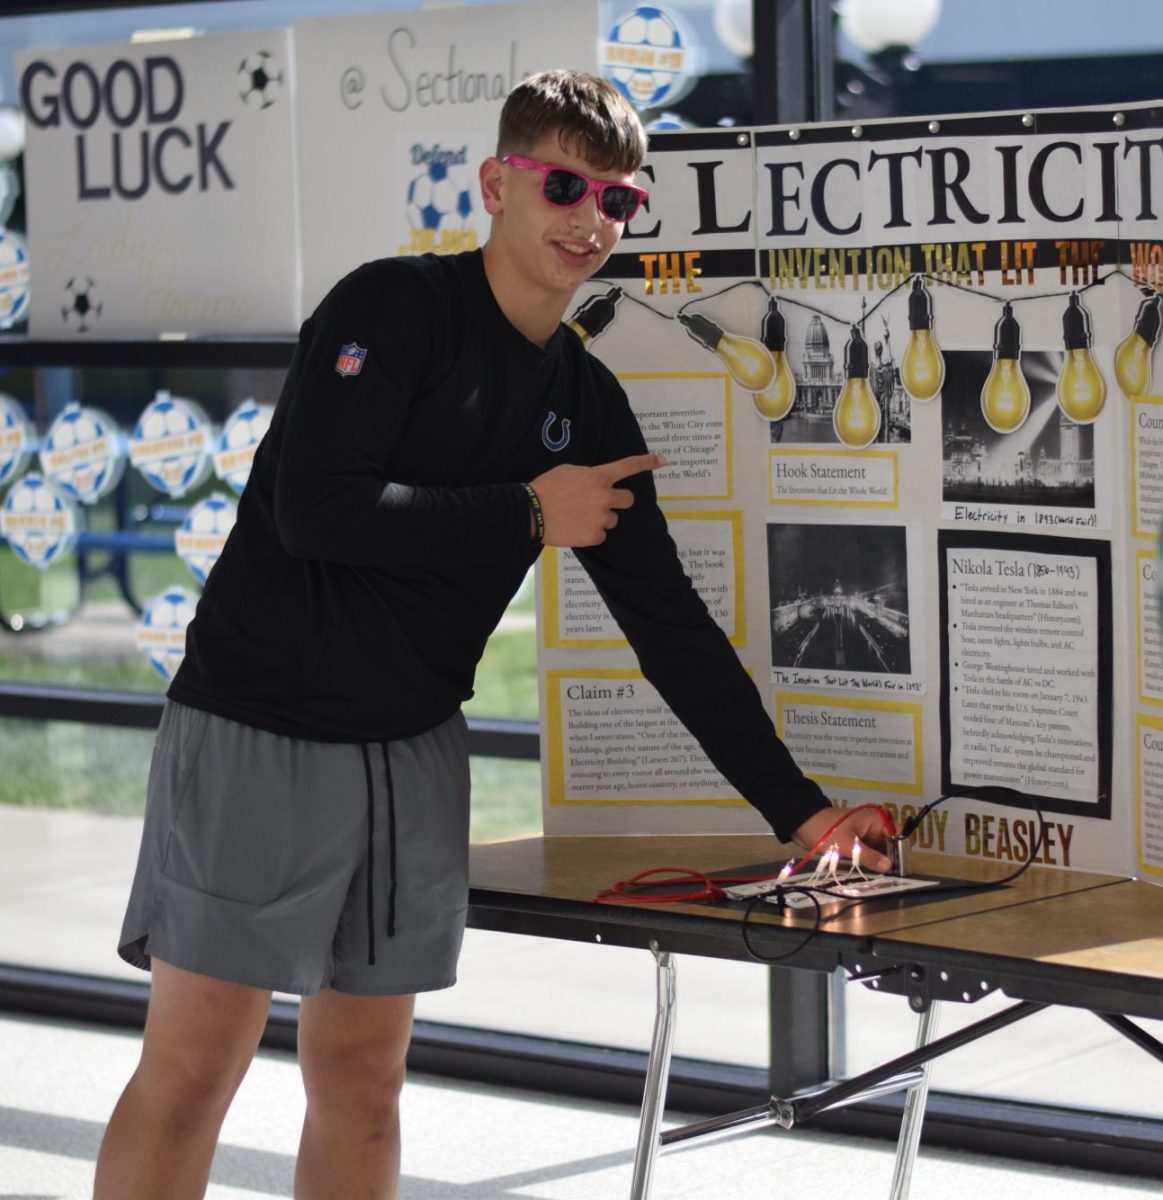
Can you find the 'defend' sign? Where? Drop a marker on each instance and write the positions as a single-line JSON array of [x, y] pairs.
[[160, 187], [396, 111]]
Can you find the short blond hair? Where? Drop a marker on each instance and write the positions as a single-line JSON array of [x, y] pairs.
[[590, 117]]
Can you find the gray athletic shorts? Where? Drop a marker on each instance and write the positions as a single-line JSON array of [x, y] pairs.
[[298, 865]]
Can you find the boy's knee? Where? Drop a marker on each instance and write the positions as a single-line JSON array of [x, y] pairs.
[[364, 1086], [186, 1097]]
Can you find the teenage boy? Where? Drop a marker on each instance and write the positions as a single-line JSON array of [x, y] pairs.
[[307, 820]]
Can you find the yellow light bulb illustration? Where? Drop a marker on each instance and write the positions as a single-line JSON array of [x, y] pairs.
[[1081, 388], [1005, 398], [1133, 366], [1133, 357], [776, 400], [747, 361], [856, 417], [923, 364], [595, 316]]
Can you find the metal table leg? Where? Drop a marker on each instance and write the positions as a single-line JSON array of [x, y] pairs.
[[657, 1073], [914, 1114]]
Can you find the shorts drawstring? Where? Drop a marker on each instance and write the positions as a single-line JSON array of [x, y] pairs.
[[371, 829], [371, 859], [391, 843]]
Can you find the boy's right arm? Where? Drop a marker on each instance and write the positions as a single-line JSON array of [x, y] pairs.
[[333, 500]]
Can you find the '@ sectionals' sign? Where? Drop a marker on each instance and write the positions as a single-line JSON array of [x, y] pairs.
[[402, 107], [161, 187]]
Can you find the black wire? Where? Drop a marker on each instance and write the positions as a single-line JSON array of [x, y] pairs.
[[627, 296], [785, 299], [994, 794], [808, 936], [729, 288]]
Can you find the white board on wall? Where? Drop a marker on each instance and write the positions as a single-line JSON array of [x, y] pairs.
[[396, 110], [160, 187]]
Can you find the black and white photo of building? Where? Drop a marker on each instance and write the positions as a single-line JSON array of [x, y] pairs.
[[819, 376], [1048, 461], [839, 597]]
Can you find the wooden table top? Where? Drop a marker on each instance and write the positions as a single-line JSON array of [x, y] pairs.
[[1118, 929], [576, 868], [1063, 935]]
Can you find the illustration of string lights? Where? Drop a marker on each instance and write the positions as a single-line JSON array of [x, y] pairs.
[[760, 366]]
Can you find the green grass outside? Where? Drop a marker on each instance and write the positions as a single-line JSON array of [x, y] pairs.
[[65, 765]]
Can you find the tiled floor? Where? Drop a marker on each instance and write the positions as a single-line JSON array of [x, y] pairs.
[[60, 1080]]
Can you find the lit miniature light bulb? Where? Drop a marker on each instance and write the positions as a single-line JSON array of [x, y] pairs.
[[1133, 357], [595, 315], [747, 361], [1005, 398], [856, 417], [856, 857], [1081, 388], [776, 400], [784, 871], [923, 364]]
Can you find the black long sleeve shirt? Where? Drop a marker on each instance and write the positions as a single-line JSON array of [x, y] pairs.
[[384, 530]]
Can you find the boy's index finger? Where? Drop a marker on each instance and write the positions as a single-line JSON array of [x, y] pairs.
[[622, 468]]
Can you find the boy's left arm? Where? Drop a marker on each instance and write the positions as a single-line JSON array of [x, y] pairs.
[[687, 657]]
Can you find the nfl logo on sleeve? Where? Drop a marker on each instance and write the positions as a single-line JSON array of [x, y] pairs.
[[350, 360]]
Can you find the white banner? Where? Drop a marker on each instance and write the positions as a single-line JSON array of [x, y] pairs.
[[160, 186]]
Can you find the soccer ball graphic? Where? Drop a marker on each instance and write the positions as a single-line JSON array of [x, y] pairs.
[[161, 632], [81, 306], [82, 453], [171, 444], [203, 533], [244, 429], [39, 522], [438, 197], [259, 84], [16, 438], [14, 289], [645, 57]]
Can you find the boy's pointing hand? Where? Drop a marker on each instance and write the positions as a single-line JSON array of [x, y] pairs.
[[580, 504]]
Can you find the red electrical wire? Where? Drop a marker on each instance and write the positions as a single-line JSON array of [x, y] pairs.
[[712, 889]]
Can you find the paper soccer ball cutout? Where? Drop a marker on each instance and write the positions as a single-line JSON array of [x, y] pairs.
[[440, 196], [17, 437], [40, 523], [201, 536], [82, 453], [259, 82], [244, 429], [645, 57], [171, 444], [81, 306], [161, 632], [14, 278]]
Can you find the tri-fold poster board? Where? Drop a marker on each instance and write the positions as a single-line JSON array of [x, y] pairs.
[[902, 376]]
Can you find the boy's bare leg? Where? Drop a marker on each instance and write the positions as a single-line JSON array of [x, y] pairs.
[[351, 1053], [200, 1038]]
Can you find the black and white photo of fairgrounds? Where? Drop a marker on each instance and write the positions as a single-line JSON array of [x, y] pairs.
[[817, 362], [1048, 461], [839, 597]]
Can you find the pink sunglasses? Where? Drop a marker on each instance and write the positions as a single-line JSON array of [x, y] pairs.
[[566, 188]]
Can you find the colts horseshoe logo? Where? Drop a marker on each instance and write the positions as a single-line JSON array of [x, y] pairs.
[[555, 443]]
